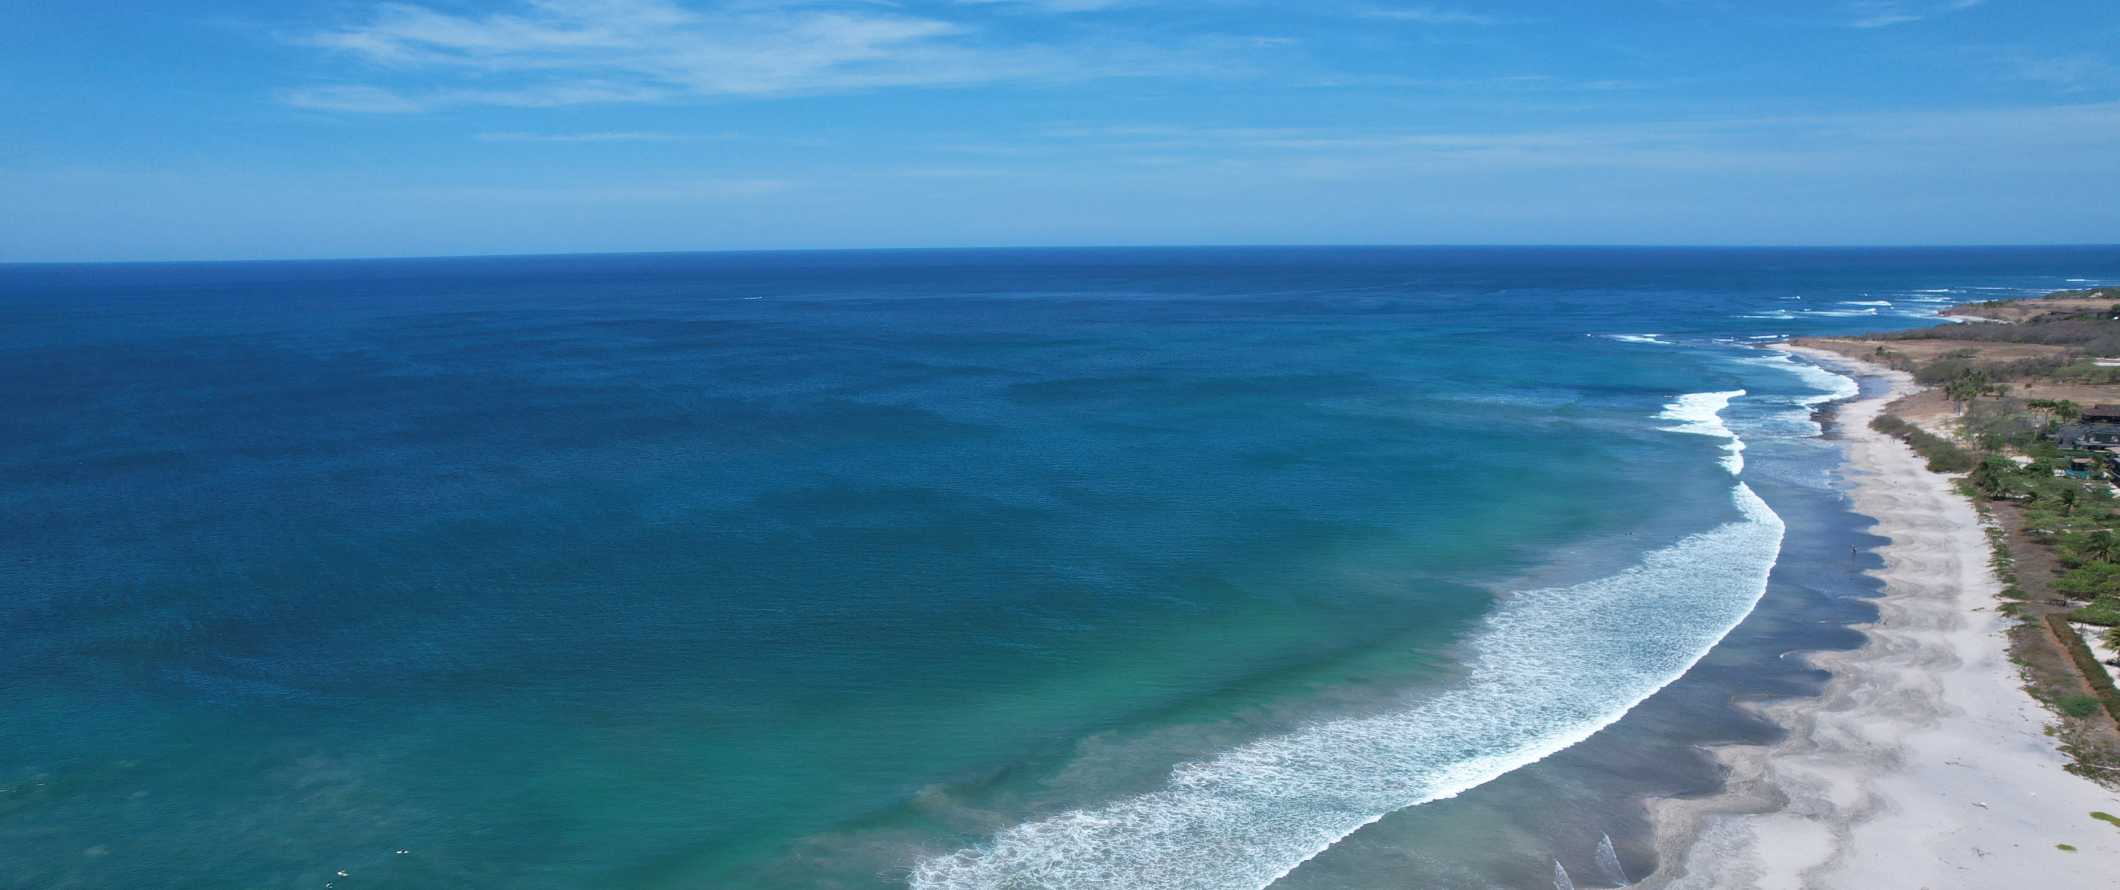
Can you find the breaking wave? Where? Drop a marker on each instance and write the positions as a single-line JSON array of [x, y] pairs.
[[1831, 386], [1700, 414], [1548, 669], [1825, 385]]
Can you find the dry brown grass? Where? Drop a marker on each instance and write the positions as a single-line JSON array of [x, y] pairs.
[[2025, 310], [1924, 351], [1929, 406]]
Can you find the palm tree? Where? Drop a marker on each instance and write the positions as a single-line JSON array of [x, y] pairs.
[[1988, 477], [1969, 385], [2101, 546]]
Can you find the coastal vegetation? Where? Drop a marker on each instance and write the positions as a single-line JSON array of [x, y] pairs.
[[2003, 389], [1943, 455], [2101, 681]]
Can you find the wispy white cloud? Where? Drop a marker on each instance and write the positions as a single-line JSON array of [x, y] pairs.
[[1750, 145], [610, 136], [676, 191], [571, 52], [1888, 13], [1050, 5], [370, 99], [349, 97], [1504, 83], [1846, 178], [1431, 15], [2070, 72], [1883, 20]]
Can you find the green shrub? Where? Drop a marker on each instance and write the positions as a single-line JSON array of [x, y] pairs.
[[1943, 455], [2087, 662], [1995, 423], [1955, 365], [2092, 581], [2077, 705], [2043, 525], [2103, 611], [2099, 545]]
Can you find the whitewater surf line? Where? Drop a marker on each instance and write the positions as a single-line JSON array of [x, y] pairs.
[[1547, 669], [1829, 387], [1550, 668], [1700, 414]]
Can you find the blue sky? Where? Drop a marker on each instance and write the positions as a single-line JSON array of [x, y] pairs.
[[159, 130]]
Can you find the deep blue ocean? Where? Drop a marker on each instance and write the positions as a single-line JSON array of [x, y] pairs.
[[1141, 568]]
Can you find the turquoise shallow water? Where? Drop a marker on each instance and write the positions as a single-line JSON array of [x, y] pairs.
[[877, 569]]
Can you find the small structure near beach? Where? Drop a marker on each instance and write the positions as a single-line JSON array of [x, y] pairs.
[[2099, 427], [2088, 435]]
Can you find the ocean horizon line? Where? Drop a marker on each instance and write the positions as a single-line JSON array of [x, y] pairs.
[[1620, 247]]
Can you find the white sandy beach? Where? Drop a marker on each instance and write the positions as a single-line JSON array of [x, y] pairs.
[[1924, 764]]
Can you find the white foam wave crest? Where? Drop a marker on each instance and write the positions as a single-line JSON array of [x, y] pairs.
[[1548, 669], [1865, 302], [1832, 387], [1700, 414], [1657, 339], [1827, 387]]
